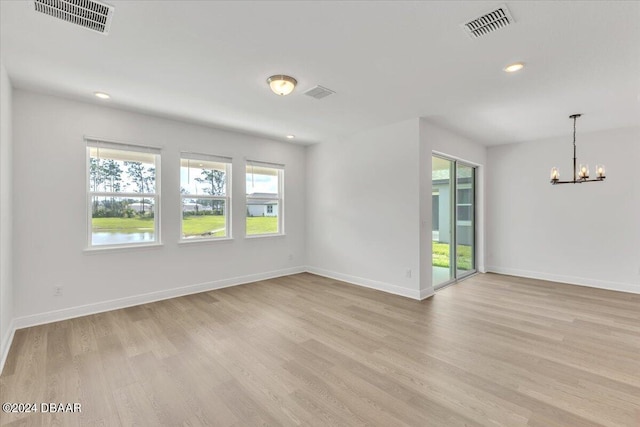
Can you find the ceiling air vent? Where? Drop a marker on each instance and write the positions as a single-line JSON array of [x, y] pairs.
[[489, 22], [89, 14], [319, 92]]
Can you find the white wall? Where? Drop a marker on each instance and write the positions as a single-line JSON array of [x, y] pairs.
[[363, 208], [369, 205], [435, 139], [50, 212], [6, 213], [585, 234]]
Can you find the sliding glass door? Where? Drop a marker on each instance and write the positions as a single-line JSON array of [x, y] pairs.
[[465, 220], [453, 224], [441, 231]]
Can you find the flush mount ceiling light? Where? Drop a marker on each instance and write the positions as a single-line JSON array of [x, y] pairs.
[[512, 68], [281, 84], [580, 174], [102, 95], [290, 136]]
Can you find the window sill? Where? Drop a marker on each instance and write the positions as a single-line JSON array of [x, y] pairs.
[[121, 248], [187, 242], [262, 236]]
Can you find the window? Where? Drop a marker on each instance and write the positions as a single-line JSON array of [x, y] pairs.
[[264, 198], [123, 194], [205, 188]]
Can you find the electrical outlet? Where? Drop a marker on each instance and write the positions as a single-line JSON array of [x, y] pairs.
[[409, 274], [57, 291]]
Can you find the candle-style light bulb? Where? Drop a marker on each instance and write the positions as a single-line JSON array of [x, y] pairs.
[[583, 172], [555, 174], [600, 172]]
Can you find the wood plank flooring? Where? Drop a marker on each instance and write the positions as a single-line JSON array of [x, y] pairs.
[[305, 350]]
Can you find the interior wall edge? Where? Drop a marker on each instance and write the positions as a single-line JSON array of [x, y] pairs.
[[7, 286], [7, 340], [426, 293]]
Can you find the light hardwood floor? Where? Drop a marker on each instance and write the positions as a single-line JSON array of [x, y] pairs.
[[306, 350]]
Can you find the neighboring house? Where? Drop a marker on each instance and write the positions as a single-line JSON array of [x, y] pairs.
[[195, 207], [261, 207]]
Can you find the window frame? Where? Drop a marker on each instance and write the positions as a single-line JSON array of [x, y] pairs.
[[278, 198], [227, 198], [91, 142]]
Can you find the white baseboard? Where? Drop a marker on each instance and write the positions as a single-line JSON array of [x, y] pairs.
[[426, 293], [5, 344], [372, 284], [571, 280], [99, 307]]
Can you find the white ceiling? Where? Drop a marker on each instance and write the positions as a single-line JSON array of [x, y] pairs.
[[387, 61]]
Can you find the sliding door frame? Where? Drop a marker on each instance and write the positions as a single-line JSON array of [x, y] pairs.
[[453, 209]]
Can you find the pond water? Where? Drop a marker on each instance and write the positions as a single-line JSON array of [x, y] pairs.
[[114, 238]]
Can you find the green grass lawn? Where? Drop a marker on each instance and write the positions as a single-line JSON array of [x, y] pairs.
[[262, 225], [441, 256], [191, 225], [203, 224]]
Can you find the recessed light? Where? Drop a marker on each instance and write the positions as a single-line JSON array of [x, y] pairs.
[[512, 68], [290, 136], [102, 95]]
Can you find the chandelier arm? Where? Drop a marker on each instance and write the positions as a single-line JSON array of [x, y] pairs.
[[580, 181]]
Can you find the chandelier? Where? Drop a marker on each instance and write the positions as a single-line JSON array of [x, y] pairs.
[[580, 174]]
